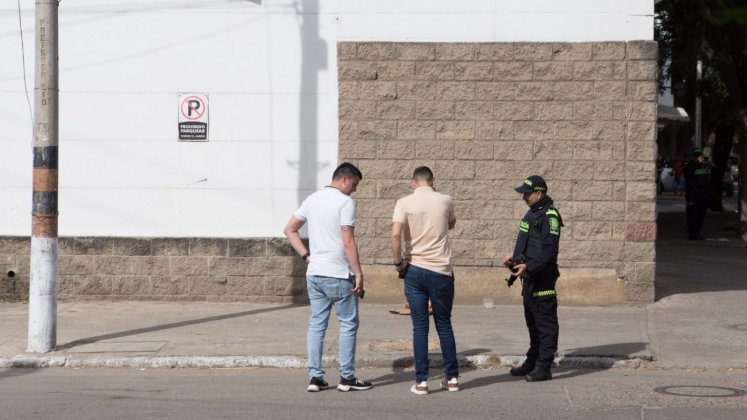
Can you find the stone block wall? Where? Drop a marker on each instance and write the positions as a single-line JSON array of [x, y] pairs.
[[484, 116], [262, 270]]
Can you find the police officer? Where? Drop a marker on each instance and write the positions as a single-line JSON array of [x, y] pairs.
[[535, 260], [697, 184]]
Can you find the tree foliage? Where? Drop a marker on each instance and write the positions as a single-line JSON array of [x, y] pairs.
[[714, 32]]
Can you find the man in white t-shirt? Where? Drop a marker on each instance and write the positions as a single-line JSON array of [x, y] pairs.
[[333, 276], [425, 218]]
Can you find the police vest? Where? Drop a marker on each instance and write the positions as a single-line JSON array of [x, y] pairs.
[[529, 243], [702, 175]]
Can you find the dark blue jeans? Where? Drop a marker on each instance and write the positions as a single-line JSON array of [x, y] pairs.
[[421, 285]]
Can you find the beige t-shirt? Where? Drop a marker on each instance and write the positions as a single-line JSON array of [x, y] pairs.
[[425, 215]]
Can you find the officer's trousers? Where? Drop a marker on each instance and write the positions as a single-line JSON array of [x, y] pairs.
[[696, 212], [541, 314]]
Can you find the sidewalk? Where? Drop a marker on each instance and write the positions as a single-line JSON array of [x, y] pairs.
[[191, 334], [698, 321]]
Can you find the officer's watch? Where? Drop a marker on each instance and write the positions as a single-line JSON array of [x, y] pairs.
[[305, 256]]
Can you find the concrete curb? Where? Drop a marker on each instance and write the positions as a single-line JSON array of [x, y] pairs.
[[294, 362]]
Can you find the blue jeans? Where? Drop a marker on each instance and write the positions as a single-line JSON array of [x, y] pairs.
[[323, 293], [421, 285]]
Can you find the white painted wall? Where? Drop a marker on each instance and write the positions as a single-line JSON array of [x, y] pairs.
[[269, 68]]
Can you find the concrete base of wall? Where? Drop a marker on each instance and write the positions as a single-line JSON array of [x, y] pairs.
[[476, 284]]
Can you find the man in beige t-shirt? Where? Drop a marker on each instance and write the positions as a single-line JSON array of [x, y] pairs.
[[425, 218]]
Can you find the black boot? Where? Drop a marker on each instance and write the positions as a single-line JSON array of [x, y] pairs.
[[540, 373], [524, 369]]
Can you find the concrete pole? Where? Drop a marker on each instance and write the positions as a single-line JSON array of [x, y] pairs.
[[43, 288]]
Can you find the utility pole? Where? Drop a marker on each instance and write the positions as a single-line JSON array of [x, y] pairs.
[[43, 288]]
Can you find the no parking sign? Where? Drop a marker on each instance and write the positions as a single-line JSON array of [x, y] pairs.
[[193, 117]]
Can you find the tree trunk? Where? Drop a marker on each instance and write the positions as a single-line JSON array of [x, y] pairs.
[[720, 156], [726, 57], [742, 197]]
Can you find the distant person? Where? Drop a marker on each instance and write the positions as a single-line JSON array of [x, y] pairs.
[[425, 218], [334, 275], [697, 184], [535, 261], [679, 175]]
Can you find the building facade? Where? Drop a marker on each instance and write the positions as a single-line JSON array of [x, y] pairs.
[[484, 92]]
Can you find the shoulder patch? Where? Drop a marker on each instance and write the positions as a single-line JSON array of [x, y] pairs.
[[552, 212], [554, 226]]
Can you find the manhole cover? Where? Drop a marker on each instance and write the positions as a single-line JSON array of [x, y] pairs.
[[700, 391]]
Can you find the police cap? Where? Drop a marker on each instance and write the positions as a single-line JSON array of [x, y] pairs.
[[532, 184]]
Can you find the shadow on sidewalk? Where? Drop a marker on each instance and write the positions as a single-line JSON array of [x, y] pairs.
[[623, 351], [11, 373], [713, 265], [403, 368], [162, 327], [499, 377]]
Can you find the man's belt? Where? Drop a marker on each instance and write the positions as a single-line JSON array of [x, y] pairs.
[[542, 293]]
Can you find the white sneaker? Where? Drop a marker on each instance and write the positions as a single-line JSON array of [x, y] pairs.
[[451, 385], [420, 388]]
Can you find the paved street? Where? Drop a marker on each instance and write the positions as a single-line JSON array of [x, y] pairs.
[[280, 394]]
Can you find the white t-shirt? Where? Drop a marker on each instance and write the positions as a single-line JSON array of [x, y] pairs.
[[326, 212]]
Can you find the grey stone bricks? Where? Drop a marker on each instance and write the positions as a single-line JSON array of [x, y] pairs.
[[247, 247], [639, 292], [169, 246], [455, 51], [513, 71], [494, 52], [486, 115], [111, 264], [554, 70], [221, 269], [608, 51], [571, 51], [131, 246], [642, 50]]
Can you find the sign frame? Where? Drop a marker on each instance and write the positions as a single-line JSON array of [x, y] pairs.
[[193, 117]]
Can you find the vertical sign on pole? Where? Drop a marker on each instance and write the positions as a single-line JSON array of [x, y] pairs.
[[193, 117]]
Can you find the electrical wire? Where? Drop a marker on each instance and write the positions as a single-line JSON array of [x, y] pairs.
[[23, 60]]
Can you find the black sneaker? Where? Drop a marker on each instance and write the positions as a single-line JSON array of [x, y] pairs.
[[355, 384], [316, 385]]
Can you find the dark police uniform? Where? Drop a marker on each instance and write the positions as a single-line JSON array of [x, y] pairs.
[[537, 245], [697, 184]]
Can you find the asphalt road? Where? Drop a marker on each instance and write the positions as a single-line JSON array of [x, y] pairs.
[[281, 394]]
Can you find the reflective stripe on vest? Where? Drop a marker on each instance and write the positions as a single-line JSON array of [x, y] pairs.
[[544, 293]]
